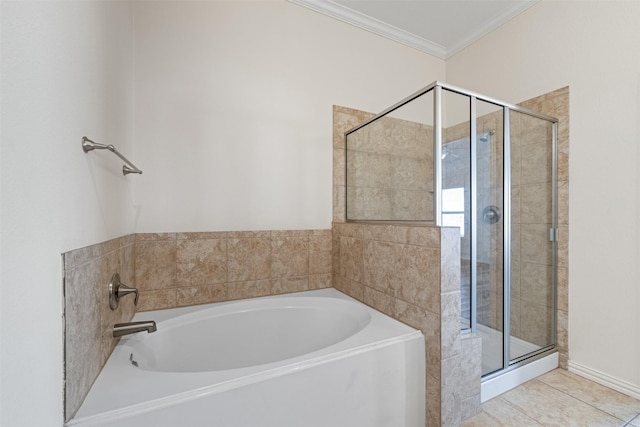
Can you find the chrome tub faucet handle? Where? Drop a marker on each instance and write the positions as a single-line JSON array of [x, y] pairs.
[[117, 290]]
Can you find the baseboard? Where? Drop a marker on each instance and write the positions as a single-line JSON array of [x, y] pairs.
[[605, 379]]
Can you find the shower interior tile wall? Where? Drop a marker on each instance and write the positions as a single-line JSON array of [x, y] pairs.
[[172, 270]]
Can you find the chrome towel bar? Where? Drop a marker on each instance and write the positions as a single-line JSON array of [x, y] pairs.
[[89, 145]]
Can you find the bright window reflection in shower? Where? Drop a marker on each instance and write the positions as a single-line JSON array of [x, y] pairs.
[[453, 208]]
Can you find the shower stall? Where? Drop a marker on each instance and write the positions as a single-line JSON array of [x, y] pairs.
[[451, 157]]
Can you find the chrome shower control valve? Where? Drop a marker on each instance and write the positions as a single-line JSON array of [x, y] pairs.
[[117, 290]]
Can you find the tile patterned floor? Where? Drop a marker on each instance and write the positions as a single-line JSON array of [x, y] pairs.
[[559, 399]]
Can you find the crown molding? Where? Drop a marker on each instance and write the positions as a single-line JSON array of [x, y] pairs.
[[350, 16], [360, 20]]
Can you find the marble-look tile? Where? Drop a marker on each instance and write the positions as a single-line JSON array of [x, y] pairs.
[[248, 289], [535, 246], [289, 284], [635, 422], [142, 237], [563, 202], [449, 392], [82, 333], [201, 262], [275, 234], [157, 300], [470, 368], [155, 264], [563, 289], [536, 324], [379, 300], [289, 256], [248, 259], [450, 324], [320, 240], [351, 258], [386, 233], [380, 270], [449, 260], [250, 234], [554, 408], [563, 246], [470, 407], [127, 268], [428, 236], [536, 282], [610, 401], [202, 235], [339, 203], [499, 413], [433, 401], [79, 377], [319, 262], [535, 203], [201, 295], [320, 281], [562, 330], [350, 229], [415, 316], [350, 287], [339, 168], [417, 275]]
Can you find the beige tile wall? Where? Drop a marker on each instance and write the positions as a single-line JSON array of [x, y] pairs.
[[180, 269], [411, 273], [88, 318], [390, 171]]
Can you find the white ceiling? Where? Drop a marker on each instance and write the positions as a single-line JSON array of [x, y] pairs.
[[438, 27]]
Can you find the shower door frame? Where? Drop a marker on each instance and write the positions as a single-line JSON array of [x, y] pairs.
[[507, 108], [437, 86]]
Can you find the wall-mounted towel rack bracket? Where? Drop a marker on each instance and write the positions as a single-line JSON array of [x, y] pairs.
[[89, 145]]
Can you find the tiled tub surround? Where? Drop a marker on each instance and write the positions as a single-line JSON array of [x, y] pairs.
[[88, 318], [412, 274], [181, 269], [172, 270]]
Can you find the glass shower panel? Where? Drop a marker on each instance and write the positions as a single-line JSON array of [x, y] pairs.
[[489, 233], [390, 165], [456, 186], [532, 323]]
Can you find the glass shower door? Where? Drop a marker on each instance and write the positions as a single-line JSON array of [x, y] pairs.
[[532, 323]]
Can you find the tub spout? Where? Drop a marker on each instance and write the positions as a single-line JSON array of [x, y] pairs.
[[120, 329]]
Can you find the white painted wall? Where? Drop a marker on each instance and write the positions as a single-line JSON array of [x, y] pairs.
[[233, 110], [593, 48], [66, 72]]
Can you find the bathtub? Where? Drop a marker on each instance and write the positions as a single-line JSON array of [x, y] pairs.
[[316, 358]]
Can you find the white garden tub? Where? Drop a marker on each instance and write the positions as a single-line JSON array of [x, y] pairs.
[[316, 358]]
